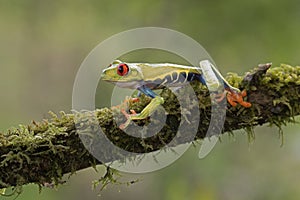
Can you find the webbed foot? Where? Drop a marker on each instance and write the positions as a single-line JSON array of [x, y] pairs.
[[147, 111], [234, 98]]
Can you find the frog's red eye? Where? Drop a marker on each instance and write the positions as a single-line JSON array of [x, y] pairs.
[[122, 69]]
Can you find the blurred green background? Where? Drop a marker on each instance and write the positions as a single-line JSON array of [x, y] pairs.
[[42, 44]]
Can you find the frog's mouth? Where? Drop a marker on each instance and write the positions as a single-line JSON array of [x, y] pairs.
[[127, 84]]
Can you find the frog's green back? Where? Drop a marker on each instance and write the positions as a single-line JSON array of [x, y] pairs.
[[161, 71]]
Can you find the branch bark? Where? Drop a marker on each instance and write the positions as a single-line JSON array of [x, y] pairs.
[[42, 152]]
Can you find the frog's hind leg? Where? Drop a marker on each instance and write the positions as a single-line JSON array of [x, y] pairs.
[[234, 95]]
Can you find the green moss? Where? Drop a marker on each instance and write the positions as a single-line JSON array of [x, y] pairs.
[[42, 152]]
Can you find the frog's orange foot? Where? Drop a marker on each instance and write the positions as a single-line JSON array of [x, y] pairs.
[[128, 117], [244, 93], [235, 98], [125, 103], [133, 100], [122, 126], [130, 100]]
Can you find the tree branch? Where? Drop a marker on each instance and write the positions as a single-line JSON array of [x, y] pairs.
[[42, 152]]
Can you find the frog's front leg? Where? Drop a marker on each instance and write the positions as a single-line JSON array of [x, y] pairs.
[[147, 111]]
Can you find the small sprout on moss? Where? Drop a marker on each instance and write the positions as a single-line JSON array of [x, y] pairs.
[[111, 176], [281, 136], [250, 134]]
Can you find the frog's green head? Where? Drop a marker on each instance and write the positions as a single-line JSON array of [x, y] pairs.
[[122, 72]]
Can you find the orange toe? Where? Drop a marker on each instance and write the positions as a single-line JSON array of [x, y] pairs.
[[133, 112], [122, 126], [231, 101], [244, 93], [125, 113], [134, 99], [246, 104], [235, 98]]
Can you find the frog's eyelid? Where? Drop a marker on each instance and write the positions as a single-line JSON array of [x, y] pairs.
[[114, 63], [117, 62]]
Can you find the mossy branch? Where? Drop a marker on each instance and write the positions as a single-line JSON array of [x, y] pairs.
[[42, 152]]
